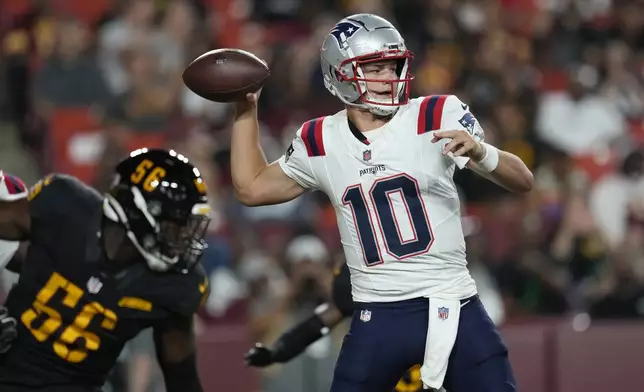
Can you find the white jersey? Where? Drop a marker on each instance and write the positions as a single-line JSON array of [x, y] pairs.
[[395, 199], [11, 189]]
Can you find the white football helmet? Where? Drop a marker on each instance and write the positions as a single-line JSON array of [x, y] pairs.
[[355, 41]]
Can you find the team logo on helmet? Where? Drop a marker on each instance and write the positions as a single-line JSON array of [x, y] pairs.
[[343, 31]]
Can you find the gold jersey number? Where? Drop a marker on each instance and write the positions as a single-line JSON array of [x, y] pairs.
[[413, 383], [149, 174], [53, 322]]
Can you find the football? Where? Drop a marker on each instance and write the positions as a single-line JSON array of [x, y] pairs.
[[226, 75]]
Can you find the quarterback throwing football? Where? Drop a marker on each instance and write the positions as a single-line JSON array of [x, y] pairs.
[[386, 163]]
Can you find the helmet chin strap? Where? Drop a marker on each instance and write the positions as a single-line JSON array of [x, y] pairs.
[[378, 110], [381, 110], [373, 107], [155, 260]]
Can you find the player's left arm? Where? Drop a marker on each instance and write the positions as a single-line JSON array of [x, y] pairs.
[[464, 144], [177, 355], [174, 338], [510, 172]]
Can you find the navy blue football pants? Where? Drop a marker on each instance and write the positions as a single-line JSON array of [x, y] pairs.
[[376, 353]]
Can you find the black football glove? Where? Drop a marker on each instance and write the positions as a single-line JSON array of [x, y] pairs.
[[8, 330], [259, 356]]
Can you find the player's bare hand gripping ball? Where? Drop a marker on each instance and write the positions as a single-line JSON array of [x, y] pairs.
[[248, 104], [462, 144]]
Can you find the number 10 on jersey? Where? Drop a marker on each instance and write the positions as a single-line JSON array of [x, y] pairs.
[[380, 195]]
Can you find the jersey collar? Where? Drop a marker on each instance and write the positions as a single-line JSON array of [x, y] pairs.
[[356, 132]]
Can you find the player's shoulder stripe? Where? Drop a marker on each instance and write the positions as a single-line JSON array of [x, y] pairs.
[[431, 113], [312, 137]]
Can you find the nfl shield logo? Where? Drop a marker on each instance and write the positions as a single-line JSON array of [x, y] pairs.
[[365, 315], [366, 155], [94, 285], [443, 313]]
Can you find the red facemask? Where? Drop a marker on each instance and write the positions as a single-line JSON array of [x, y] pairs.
[[400, 87]]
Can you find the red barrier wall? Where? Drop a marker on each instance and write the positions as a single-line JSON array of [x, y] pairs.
[[221, 352], [548, 356]]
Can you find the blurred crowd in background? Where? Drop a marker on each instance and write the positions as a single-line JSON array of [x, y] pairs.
[[560, 83]]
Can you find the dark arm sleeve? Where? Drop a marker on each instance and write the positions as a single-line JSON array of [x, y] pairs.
[[176, 353], [174, 338]]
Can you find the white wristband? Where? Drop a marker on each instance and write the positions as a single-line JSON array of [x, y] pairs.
[[491, 158]]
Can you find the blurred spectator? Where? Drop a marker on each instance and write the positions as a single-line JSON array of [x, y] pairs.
[[559, 219], [579, 252], [177, 29], [486, 284], [148, 103], [622, 86], [267, 286], [71, 76], [617, 197], [226, 289], [134, 28], [513, 132], [619, 290], [310, 276], [309, 267], [579, 121]]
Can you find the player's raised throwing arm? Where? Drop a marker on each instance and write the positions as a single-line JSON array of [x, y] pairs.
[[256, 182]]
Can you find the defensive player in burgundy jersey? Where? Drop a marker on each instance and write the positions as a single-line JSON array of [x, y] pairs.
[[386, 163], [99, 269]]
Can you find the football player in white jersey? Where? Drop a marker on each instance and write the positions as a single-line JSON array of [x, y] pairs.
[[11, 188], [386, 163]]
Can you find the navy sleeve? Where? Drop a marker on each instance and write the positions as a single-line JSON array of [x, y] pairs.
[[342, 291]]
